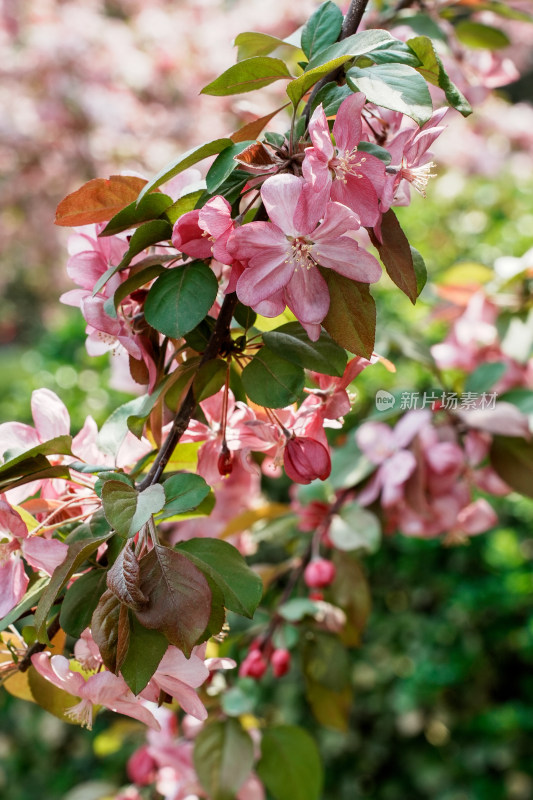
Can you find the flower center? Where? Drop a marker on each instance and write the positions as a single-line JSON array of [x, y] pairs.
[[82, 712], [299, 253], [418, 176], [347, 163]]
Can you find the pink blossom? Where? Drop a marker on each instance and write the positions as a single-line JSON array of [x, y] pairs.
[[179, 677], [102, 688], [410, 160], [283, 255], [204, 232], [341, 172], [388, 448], [40, 553]]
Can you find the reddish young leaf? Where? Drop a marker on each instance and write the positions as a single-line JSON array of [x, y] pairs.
[[98, 200], [107, 628], [179, 602], [396, 255], [253, 129], [351, 319], [123, 579]]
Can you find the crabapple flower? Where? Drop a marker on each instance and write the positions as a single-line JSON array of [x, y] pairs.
[[283, 255], [388, 449], [341, 172], [179, 677], [102, 688], [204, 232]]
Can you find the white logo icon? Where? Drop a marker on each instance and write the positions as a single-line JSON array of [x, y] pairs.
[[384, 400]]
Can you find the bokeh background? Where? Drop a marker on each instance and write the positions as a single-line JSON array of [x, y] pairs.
[[444, 676]]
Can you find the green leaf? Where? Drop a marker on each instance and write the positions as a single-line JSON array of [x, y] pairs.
[[483, 378], [179, 603], [353, 46], [298, 87], [290, 765], [355, 528], [180, 298], [97, 526], [420, 269], [331, 96], [223, 166], [350, 591], [150, 207], [423, 25], [135, 281], [223, 758], [146, 648], [296, 609], [241, 698], [81, 600], [322, 28], [292, 343], [183, 162], [124, 418], [521, 398], [272, 381], [30, 599], [351, 319], [375, 150], [78, 553], [126, 509], [330, 707], [183, 204], [60, 445], [242, 587], [512, 459], [505, 10], [432, 70], [183, 492], [244, 316], [395, 52], [37, 468], [248, 75], [476, 34], [209, 378], [395, 86], [252, 43], [150, 233], [396, 255]]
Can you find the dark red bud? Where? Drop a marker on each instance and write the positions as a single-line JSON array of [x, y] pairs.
[[225, 461], [281, 662], [319, 573], [253, 666], [305, 459]]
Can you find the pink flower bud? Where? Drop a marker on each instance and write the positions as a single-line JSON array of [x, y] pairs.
[[306, 459], [319, 573], [253, 666], [281, 662]]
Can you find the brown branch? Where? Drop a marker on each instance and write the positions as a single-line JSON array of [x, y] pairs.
[[352, 20]]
